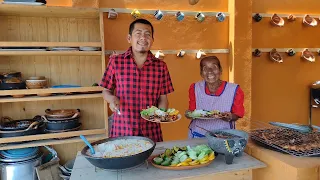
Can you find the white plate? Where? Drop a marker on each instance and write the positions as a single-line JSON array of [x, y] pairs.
[[25, 3], [163, 122]]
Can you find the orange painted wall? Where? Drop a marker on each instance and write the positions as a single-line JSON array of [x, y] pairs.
[[173, 35], [280, 91]]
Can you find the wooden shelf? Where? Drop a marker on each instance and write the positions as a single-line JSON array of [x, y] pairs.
[[48, 11], [52, 135], [51, 142], [47, 44], [50, 98], [50, 53], [49, 90]]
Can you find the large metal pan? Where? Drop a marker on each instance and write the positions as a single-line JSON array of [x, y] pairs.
[[119, 162]]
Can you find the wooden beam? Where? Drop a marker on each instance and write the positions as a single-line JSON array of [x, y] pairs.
[[51, 135], [51, 142], [48, 11], [48, 44], [50, 98], [50, 53], [240, 57]]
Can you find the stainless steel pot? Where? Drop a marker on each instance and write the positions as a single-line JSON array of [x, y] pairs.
[[25, 170]]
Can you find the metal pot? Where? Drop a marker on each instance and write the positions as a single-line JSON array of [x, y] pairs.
[[18, 170], [119, 162]]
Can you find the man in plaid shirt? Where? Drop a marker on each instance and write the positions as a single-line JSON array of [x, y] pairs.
[[139, 80]]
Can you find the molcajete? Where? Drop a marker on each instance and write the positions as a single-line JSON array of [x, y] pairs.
[[228, 142]]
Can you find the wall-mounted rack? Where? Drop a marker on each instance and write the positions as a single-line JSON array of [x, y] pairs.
[[190, 51], [286, 15], [166, 12], [285, 49]]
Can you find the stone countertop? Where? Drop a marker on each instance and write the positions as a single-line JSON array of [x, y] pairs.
[[83, 170]]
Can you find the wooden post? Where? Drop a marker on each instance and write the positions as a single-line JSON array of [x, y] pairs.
[[240, 45]]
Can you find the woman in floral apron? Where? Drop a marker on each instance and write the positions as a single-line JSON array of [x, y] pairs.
[[212, 93]]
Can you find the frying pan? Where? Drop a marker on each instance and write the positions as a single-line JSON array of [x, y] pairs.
[[119, 162], [8, 124]]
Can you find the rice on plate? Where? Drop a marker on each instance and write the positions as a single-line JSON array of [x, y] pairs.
[[120, 148]]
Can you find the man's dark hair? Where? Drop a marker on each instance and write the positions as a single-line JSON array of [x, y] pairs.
[[210, 58], [142, 21]]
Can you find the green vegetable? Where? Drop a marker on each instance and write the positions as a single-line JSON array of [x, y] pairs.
[[201, 155], [183, 158], [163, 109], [149, 111], [175, 148], [167, 162], [157, 160]]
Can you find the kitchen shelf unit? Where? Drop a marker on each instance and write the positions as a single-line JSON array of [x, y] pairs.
[[41, 26]]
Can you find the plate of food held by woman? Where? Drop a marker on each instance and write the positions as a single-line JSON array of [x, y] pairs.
[[154, 114], [204, 114]]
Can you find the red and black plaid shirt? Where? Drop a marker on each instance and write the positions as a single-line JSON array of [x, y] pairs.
[[136, 89]]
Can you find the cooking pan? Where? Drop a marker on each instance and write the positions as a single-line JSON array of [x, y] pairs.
[[8, 124], [62, 113], [34, 128], [10, 75], [119, 162], [10, 86], [61, 125]]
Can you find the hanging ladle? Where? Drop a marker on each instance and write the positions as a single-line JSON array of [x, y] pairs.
[[88, 144]]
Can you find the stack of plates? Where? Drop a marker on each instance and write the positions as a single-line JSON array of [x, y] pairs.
[[87, 48], [63, 49], [17, 155], [26, 2]]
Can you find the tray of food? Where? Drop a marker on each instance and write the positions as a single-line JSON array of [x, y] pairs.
[[182, 158], [157, 115], [288, 141], [204, 114]]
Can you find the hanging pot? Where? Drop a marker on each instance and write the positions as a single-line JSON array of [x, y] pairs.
[[308, 55], [275, 56], [276, 20], [62, 113]]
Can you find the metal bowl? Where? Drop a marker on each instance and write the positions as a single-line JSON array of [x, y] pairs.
[[119, 162]]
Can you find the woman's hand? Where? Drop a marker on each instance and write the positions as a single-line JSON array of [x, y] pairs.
[[228, 116]]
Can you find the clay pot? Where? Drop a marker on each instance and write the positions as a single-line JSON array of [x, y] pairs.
[[277, 20], [291, 18], [275, 56], [257, 53], [308, 55], [309, 21]]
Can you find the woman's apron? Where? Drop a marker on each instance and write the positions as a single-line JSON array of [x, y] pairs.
[[223, 103]]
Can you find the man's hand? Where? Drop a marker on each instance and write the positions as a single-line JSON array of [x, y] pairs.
[[111, 99], [114, 104]]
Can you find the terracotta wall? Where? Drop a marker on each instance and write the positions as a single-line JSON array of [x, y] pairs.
[[280, 91], [173, 35]]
